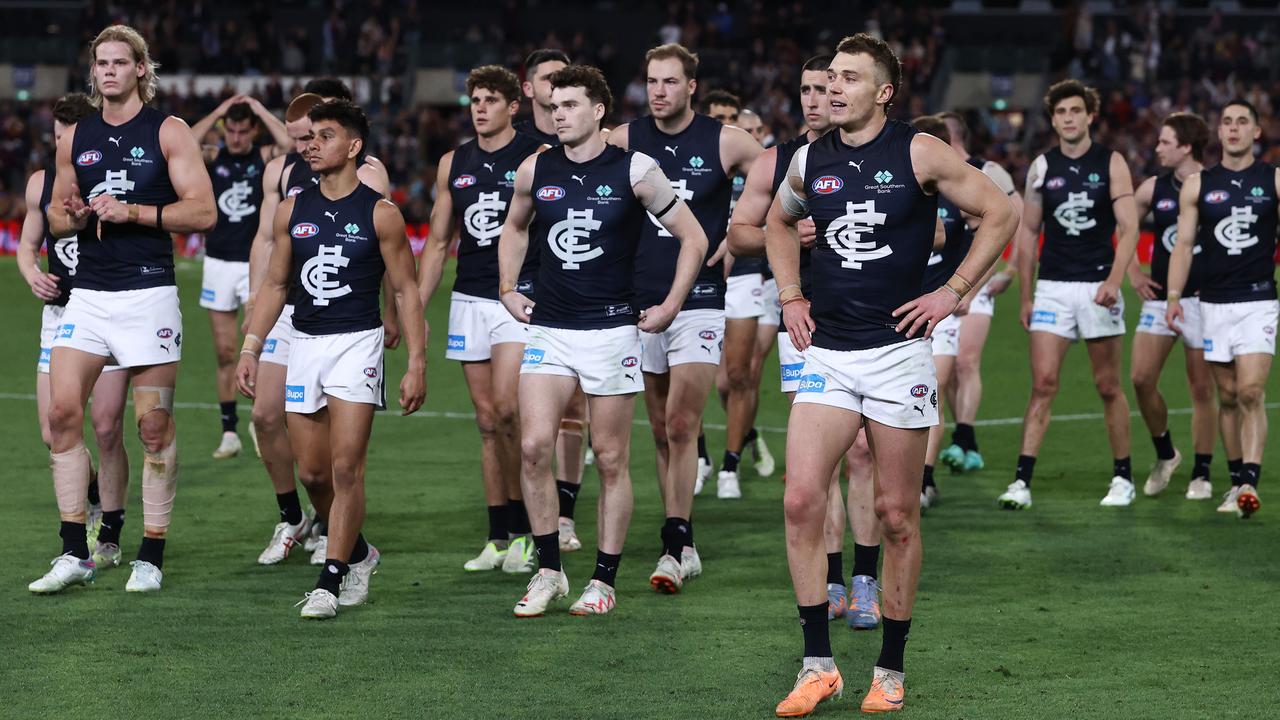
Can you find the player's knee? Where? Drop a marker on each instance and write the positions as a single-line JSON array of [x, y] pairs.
[[153, 430], [506, 415], [968, 367], [682, 428], [1250, 396], [1144, 380], [611, 463], [1227, 399], [1044, 385], [347, 473], [267, 419], [1108, 387], [739, 376], [486, 422], [1202, 393], [313, 478], [108, 429], [898, 520], [804, 502], [536, 449], [225, 353], [65, 417]]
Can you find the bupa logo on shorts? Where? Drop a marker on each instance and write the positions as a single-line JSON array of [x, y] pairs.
[[1216, 197], [1167, 204], [827, 184], [1146, 320], [371, 372], [919, 391], [66, 331], [1055, 183], [89, 157], [295, 393], [464, 181], [45, 354], [304, 230], [812, 383], [707, 334], [1208, 344], [1044, 317], [550, 192], [457, 342], [269, 346], [164, 333], [208, 294], [533, 356], [792, 371]]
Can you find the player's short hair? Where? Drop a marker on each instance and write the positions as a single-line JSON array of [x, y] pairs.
[[72, 108], [138, 49], [543, 55], [817, 62], [958, 119], [688, 60], [495, 78], [722, 97], [1070, 88], [589, 79], [239, 112], [885, 59], [933, 125], [1241, 102], [1189, 129], [345, 113], [329, 87]]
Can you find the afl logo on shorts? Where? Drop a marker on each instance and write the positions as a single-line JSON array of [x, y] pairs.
[[919, 391], [550, 192], [464, 181], [1055, 183], [707, 334], [1167, 204], [630, 361], [1217, 196], [164, 333], [371, 372], [827, 184], [89, 157], [304, 230]]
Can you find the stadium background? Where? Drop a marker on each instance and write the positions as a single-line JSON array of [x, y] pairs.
[[1165, 610]]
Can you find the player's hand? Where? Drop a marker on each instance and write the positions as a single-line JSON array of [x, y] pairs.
[[1142, 283], [413, 391], [999, 283], [808, 233], [718, 255], [518, 305], [76, 208], [44, 286], [800, 327], [657, 318], [1173, 314], [925, 312], [963, 308], [1025, 314], [109, 209], [247, 375], [1108, 294], [390, 334]]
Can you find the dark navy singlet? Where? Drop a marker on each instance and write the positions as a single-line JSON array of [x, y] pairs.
[[237, 188], [691, 161], [875, 229], [787, 151], [1079, 221], [124, 161], [337, 262], [943, 263], [481, 185], [527, 127], [742, 265], [586, 228], [1238, 234], [64, 253], [1164, 211]]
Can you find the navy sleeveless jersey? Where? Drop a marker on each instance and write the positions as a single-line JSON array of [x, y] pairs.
[[586, 234], [124, 161], [1164, 211], [527, 127], [337, 262], [237, 186], [63, 253], [787, 151], [1078, 218], [943, 263], [1238, 234], [742, 265], [296, 176], [875, 232], [691, 161], [481, 184]]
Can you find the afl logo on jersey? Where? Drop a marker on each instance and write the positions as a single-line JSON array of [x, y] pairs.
[[464, 181], [89, 157], [1217, 196], [304, 230], [1055, 183], [550, 192], [1167, 204], [827, 184]]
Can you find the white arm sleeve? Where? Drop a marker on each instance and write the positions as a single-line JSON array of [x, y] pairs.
[[792, 202], [1000, 176], [644, 169], [1039, 167]]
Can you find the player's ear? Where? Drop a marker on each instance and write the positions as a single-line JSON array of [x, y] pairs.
[[599, 112], [527, 88], [693, 85]]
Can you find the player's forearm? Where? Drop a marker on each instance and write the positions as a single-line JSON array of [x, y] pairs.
[[693, 248], [259, 261], [1179, 268], [430, 270], [746, 240], [60, 225], [512, 247], [192, 215], [1125, 250], [406, 301], [266, 309], [1026, 261], [390, 309], [783, 245], [993, 236], [28, 260]]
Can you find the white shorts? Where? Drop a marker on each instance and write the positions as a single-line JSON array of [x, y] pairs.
[[605, 362], [476, 325], [1234, 329], [695, 336], [275, 349], [769, 299], [347, 366], [133, 328], [225, 285], [946, 336], [790, 363], [743, 297], [1067, 310], [894, 385], [983, 302], [50, 321], [1151, 322]]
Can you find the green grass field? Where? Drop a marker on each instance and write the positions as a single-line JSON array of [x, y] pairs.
[[1162, 610]]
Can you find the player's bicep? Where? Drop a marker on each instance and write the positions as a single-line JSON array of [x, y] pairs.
[[33, 220], [282, 250], [1121, 178], [1142, 198], [374, 174], [520, 209], [187, 171], [1188, 211], [757, 193], [742, 150], [619, 136]]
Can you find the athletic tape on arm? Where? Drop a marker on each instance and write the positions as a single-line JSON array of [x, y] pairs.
[[792, 203], [644, 169]]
